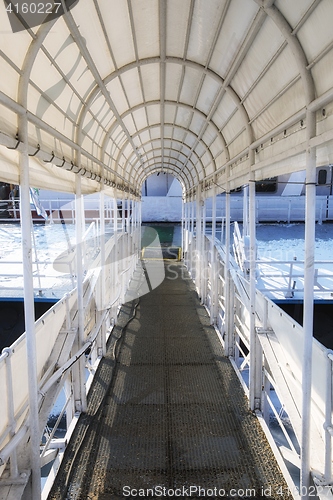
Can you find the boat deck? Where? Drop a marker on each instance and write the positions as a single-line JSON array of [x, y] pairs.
[[166, 410]]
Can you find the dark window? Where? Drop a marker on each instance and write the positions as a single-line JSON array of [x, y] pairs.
[[322, 176], [267, 185]]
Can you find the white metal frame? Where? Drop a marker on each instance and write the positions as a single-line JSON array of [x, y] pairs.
[[275, 332], [61, 355]]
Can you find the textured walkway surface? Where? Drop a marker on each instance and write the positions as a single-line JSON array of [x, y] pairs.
[[168, 416]]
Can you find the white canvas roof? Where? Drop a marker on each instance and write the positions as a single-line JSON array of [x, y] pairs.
[[208, 90]]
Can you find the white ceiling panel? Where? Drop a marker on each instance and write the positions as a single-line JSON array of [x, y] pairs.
[[132, 86], [190, 86], [134, 72], [87, 19], [146, 20], [173, 74], [177, 25], [208, 93], [237, 22], [151, 81], [116, 20]]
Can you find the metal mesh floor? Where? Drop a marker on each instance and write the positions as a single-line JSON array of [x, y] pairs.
[[169, 413]]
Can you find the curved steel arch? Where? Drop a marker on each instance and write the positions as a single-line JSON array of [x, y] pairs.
[[296, 48], [171, 139], [267, 7], [184, 62], [169, 166], [174, 103], [189, 177], [167, 158], [177, 141]]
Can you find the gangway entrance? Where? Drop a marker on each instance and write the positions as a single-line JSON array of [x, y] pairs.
[[167, 412]]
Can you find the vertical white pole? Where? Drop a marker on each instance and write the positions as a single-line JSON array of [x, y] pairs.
[[139, 204], [310, 223], [204, 269], [229, 336], [245, 211], [255, 384], [190, 235], [213, 253], [81, 397], [183, 229], [328, 420], [115, 277], [123, 212], [29, 310], [129, 228], [103, 305], [198, 216], [192, 253]]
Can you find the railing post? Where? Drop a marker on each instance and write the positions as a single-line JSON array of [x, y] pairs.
[[214, 265], [115, 264], [80, 384], [14, 472], [310, 223], [191, 238], [185, 229], [328, 419], [29, 309], [101, 347], [255, 382], [228, 303], [198, 233], [204, 274]]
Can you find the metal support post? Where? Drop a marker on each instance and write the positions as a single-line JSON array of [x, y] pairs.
[[102, 305], [191, 237], [183, 229], [123, 229], [214, 265], [246, 211], [198, 232], [115, 248], [14, 471], [80, 384], [255, 382], [309, 269], [29, 310], [328, 420], [140, 227], [204, 275], [129, 229], [228, 305]]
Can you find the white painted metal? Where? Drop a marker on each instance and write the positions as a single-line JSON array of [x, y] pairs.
[[283, 361], [229, 333], [59, 357], [80, 392], [310, 221], [255, 382], [29, 314]]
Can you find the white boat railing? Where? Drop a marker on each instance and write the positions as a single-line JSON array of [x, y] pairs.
[[57, 210], [281, 341], [60, 355], [53, 268], [270, 208], [285, 278]]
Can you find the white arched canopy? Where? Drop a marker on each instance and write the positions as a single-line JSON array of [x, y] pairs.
[[212, 91]]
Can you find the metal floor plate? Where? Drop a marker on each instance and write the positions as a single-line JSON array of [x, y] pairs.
[[168, 412]]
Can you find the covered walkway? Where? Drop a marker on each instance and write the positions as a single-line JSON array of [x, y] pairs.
[[167, 411], [95, 97]]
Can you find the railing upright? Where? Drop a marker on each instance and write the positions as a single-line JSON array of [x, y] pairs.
[[328, 419]]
